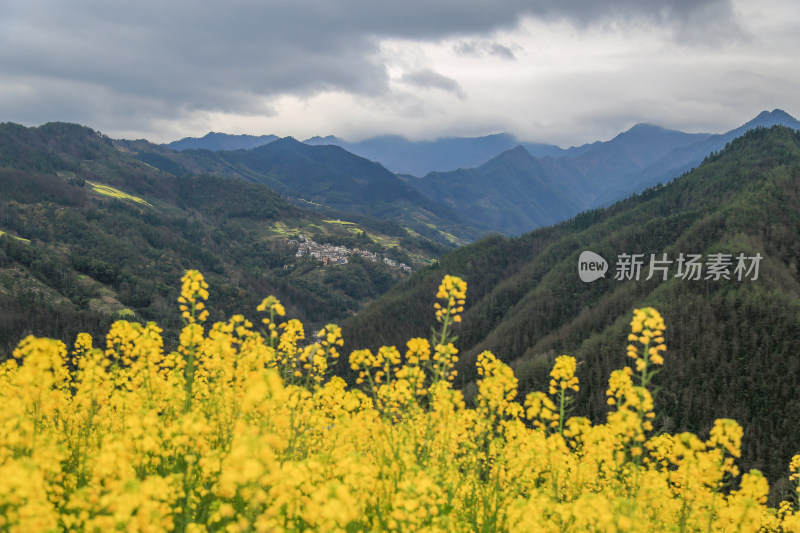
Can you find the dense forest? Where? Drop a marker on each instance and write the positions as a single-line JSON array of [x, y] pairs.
[[732, 345]]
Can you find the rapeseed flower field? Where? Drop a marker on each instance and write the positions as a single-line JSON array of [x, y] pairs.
[[242, 429]]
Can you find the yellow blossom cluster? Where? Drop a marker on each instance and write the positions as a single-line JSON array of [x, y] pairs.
[[647, 329], [454, 290], [241, 429], [563, 374], [193, 288]]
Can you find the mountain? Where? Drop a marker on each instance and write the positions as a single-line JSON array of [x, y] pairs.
[[402, 156], [325, 178], [641, 143], [765, 119], [220, 141], [631, 150], [512, 193], [607, 162], [638, 158], [494, 182], [683, 158], [516, 192], [89, 233], [732, 344], [394, 152]]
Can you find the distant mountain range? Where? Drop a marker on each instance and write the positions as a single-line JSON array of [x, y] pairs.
[[494, 183], [397, 154], [732, 343], [643, 143], [323, 178], [516, 192], [418, 158], [683, 158]]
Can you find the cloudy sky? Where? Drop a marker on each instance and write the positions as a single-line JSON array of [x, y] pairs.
[[557, 71]]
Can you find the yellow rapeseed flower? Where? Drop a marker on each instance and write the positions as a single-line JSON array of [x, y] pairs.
[[243, 430]]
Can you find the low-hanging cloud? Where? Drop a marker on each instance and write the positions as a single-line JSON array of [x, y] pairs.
[[428, 79], [479, 48]]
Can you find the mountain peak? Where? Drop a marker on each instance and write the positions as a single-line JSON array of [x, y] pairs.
[[646, 130], [645, 126], [776, 114], [328, 139], [280, 143], [518, 154], [216, 141], [771, 118]]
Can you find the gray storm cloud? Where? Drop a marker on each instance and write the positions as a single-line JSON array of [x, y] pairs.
[[91, 60]]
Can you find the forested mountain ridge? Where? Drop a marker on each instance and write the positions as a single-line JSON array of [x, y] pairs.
[[221, 141], [91, 234], [324, 178], [491, 183], [732, 345]]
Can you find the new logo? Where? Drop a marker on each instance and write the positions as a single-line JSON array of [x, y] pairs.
[[591, 266]]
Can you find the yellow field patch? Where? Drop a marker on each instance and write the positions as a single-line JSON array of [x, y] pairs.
[[18, 238], [107, 190], [282, 229]]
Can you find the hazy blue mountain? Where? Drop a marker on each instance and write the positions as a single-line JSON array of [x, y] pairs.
[[684, 158], [648, 140], [516, 192], [543, 150], [418, 158], [636, 147], [512, 193], [221, 141], [606, 165], [328, 139]]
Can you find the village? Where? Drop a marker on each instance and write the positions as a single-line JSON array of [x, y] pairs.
[[329, 254]]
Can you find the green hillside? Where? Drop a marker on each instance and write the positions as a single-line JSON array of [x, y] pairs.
[[733, 346], [88, 234]]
